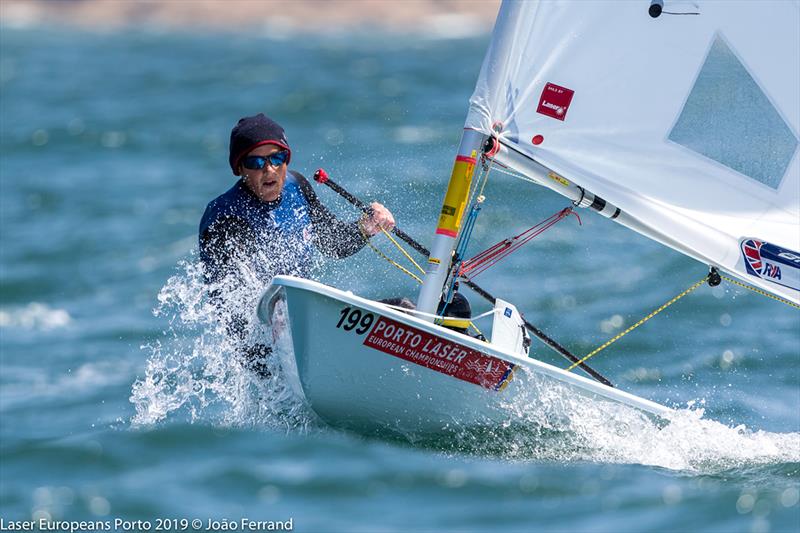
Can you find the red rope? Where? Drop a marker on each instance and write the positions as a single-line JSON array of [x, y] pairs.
[[494, 254]]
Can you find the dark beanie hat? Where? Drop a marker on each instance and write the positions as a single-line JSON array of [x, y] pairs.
[[252, 132]]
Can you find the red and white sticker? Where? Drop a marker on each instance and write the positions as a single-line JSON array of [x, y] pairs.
[[439, 354], [555, 101]]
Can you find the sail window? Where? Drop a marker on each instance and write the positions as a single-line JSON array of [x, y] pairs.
[[728, 118]]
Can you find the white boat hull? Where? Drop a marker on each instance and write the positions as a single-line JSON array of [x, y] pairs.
[[363, 366]]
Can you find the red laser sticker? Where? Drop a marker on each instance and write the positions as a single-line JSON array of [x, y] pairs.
[[554, 101]]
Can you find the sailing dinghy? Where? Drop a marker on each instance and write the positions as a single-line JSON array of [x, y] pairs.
[[678, 120]]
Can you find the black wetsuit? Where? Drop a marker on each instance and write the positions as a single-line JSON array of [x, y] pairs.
[[276, 237], [270, 238]]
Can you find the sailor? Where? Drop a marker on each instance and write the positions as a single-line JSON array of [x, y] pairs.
[[271, 221]]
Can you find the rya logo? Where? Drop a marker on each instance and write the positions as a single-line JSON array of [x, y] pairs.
[[771, 262], [756, 264]]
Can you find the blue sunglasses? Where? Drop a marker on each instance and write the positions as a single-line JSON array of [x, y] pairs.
[[257, 162]]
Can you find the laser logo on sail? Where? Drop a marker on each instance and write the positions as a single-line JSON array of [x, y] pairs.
[[557, 108], [554, 101]]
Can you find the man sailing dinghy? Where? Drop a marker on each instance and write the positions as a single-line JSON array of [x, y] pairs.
[[678, 120]]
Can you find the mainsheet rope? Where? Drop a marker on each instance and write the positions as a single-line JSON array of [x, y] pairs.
[[639, 323], [761, 292], [672, 301], [389, 259]]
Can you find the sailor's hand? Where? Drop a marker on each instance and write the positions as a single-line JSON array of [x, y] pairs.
[[380, 218]]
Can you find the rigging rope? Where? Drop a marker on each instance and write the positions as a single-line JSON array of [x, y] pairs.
[[493, 254], [487, 169], [403, 251], [516, 175], [761, 292], [389, 259], [639, 323], [475, 204], [473, 326], [672, 301]]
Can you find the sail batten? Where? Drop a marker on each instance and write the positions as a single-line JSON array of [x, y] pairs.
[[688, 124]]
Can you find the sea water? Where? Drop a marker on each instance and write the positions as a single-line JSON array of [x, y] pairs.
[[121, 398]]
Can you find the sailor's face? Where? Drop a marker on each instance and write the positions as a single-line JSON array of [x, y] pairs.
[[266, 183]]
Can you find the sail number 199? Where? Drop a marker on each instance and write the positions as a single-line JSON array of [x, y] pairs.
[[355, 319]]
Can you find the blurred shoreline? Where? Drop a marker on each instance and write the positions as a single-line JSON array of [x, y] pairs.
[[436, 18]]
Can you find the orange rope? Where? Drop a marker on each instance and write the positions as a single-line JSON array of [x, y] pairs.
[[502, 249]]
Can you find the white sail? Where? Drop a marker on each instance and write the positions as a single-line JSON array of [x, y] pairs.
[[688, 123]]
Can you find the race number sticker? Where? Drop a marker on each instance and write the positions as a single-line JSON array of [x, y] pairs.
[[439, 354]]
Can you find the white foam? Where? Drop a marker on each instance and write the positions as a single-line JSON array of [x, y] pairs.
[[34, 316], [26, 384], [588, 429], [196, 372]]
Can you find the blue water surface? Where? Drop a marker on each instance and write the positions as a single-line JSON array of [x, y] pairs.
[[111, 145]]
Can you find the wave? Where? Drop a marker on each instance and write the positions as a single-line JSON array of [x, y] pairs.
[[553, 424], [35, 316], [198, 371]]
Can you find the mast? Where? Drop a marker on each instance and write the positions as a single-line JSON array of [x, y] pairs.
[[453, 206]]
